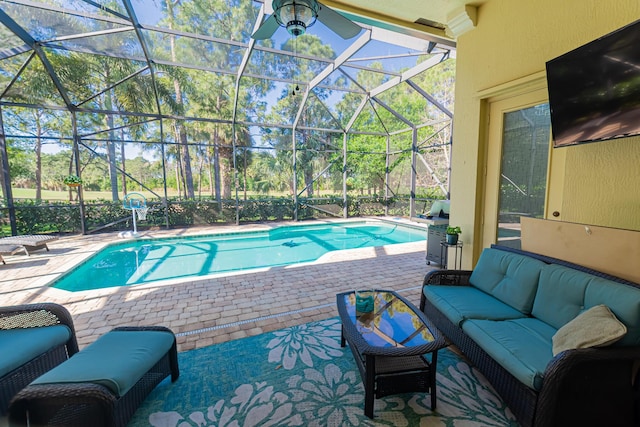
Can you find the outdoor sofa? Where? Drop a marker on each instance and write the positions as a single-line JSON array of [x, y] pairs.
[[516, 309], [35, 338]]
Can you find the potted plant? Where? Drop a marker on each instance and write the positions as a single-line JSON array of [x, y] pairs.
[[72, 180], [452, 234]]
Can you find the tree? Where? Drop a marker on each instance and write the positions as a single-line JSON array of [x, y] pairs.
[[205, 94], [308, 145], [368, 170], [38, 123]]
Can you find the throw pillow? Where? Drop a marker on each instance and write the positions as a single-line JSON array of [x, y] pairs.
[[596, 327]]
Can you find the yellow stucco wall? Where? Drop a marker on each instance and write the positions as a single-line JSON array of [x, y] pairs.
[[602, 184], [596, 183]]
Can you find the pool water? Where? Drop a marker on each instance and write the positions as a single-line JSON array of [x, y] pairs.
[[149, 260]]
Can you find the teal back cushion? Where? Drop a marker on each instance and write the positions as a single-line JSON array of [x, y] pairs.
[[623, 300], [560, 295], [510, 277]]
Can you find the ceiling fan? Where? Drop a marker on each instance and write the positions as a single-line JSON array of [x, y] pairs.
[[297, 15]]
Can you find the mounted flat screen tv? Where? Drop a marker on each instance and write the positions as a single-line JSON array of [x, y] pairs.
[[594, 90]]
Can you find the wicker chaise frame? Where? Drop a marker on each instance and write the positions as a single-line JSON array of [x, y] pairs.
[[87, 404], [31, 316], [582, 387]]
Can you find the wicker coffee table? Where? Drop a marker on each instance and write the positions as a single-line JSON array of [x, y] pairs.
[[389, 345]]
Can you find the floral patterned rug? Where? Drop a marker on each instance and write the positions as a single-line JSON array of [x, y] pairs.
[[300, 376]]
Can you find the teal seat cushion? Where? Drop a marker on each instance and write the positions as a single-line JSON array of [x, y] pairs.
[[26, 344], [459, 303], [522, 346], [510, 277], [560, 296], [116, 360], [623, 300]]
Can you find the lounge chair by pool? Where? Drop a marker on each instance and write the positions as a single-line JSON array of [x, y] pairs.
[[10, 249], [28, 242]]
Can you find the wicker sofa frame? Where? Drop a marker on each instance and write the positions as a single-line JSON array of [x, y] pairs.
[[582, 387], [32, 316], [88, 404]]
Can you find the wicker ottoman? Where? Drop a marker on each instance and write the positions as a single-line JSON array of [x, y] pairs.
[[103, 384]]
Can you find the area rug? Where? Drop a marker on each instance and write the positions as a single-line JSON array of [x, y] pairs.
[[300, 376]]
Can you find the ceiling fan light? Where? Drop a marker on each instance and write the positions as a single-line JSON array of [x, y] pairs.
[[296, 28], [297, 15]]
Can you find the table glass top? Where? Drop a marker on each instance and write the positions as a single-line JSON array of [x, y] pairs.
[[391, 322]]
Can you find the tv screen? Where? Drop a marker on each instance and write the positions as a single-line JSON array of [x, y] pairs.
[[594, 90]]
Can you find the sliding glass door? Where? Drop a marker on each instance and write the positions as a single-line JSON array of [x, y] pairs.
[[517, 161]]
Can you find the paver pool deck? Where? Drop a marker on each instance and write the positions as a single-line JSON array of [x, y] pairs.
[[213, 309]]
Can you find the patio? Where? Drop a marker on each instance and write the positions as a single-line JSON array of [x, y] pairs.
[[217, 308], [208, 313]]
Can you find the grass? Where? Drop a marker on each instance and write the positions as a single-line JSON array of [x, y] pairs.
[[30, 193]]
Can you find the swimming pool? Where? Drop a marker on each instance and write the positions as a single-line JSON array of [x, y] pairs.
[[142, 261]]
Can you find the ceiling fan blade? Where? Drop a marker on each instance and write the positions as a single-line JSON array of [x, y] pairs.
[[267, 29], [338, 23]]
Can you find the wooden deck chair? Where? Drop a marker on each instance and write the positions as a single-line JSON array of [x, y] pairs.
[[10, 249], [29, 242]]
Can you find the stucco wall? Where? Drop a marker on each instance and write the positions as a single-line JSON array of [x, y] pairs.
[[599, 183]]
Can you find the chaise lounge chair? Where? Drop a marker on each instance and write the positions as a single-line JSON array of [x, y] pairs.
[[103, 384], [10, 249], [28, 242]]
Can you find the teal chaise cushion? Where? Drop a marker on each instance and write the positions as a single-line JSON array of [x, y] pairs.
[[28, 343], [116, 360]]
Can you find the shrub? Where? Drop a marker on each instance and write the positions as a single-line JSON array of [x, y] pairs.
[[72, 180]]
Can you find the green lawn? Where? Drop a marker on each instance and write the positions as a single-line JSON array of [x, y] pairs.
[[30, 193]]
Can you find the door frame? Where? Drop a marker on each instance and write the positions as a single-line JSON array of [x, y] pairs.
[[507, 98]]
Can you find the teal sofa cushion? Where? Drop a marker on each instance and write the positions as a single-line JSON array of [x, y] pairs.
[[560, 296], [28, 343], [623, 300], [459, 303], [521, 346], [116, 360], [510, 277]]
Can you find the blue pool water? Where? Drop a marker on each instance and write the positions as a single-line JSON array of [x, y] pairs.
[[150, 260]]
